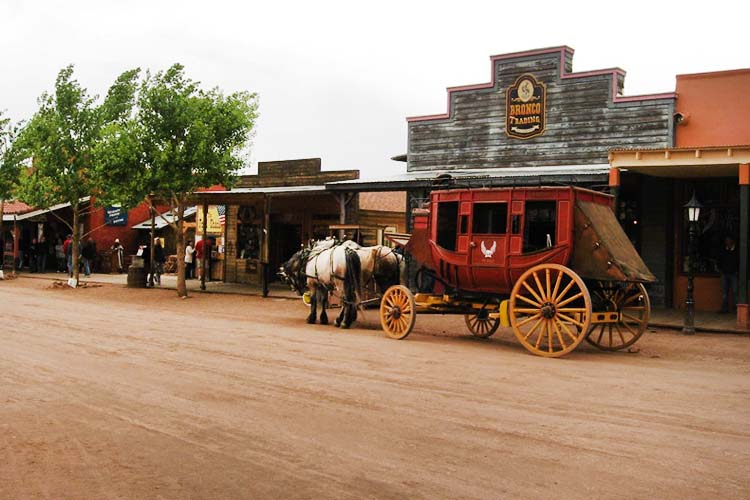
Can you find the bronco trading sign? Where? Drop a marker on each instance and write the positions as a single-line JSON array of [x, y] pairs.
[[525, 108]]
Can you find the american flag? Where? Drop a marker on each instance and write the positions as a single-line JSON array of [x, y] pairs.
[[222, 209]]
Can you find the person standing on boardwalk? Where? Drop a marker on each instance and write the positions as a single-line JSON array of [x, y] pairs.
[[60, 256], [119, 252], [68, 249], [88, 252], [158, 268], [728, 263], [42, 251], [189, 260]]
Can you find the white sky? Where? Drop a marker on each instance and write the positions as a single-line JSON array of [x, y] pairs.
[[337, 79]]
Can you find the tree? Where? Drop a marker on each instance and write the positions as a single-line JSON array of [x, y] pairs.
[[182, 138], [9, 169], [60, 139]]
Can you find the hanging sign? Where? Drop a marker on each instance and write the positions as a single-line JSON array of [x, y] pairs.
[[115, 216], [525, 108], [215, 220]]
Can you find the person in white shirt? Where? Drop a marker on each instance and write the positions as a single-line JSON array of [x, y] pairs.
[[189, 267]]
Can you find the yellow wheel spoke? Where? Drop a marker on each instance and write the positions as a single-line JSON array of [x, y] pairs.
[[529, 301], [631, 318], [565, 290], [633, 332], [526, 310], [571, 309], [567, 331], [601, 334], [549, 286], [532, 292], [533, 328], [570, 299], [571, 320], [542, 331], [540, 287], [559, 335], [619, 332], [527, 320], [557, 286]]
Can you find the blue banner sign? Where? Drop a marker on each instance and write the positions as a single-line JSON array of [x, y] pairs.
[[115, 216]]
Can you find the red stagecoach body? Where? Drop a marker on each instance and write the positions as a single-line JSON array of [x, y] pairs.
[[483, 240]]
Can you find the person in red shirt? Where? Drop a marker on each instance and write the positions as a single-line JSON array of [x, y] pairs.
[[202, 247], [68, 253]]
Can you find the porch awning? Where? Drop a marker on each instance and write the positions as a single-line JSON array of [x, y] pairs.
[[682, 162], [162, 220], [40, 211]]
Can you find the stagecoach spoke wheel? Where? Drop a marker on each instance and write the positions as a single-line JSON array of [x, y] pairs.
[[480, 324], [550, 310], [631, 301], [397, 312]]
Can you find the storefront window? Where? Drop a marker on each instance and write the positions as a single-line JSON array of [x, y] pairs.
[[719, 218], [248, 233]]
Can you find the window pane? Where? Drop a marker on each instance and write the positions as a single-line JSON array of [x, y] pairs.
[[447, 223], [490, 218], [539, 225]]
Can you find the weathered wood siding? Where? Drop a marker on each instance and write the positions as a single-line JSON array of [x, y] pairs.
[[305, 172], [583, 122]]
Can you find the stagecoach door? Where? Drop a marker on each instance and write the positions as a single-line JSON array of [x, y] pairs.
[[537, 234], [489, 241]]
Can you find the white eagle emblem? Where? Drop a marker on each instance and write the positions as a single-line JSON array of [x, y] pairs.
[[488, 253]]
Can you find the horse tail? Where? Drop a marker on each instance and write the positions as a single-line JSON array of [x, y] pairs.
[[352, 280]]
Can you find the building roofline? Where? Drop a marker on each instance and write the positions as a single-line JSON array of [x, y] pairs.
[[563, 51]]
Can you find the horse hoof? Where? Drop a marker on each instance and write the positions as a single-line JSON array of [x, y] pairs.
[[310, 321], [337, 323], [323, 321], [344, 326]]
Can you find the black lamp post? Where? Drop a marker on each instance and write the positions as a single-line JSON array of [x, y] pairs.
[[693, 209]]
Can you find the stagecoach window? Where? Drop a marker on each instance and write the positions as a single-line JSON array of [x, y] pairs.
[[464, 224], [539, 225], [490, 218], [447, 222]]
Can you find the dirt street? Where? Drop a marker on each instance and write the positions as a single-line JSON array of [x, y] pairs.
[[114, 393]]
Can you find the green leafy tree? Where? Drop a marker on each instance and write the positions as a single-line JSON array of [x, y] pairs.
[[182, 138], [9, 168], [60, 139]]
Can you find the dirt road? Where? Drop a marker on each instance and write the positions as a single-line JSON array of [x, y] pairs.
[[114, 393]]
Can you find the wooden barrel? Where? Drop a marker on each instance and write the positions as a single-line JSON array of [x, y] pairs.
[[136, 277]]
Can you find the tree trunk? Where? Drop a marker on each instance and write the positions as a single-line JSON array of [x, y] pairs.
[[76, 242], [2, 234], [151, 245], [181, 284]]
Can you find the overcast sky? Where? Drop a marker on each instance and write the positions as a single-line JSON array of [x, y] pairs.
[[337, 79]]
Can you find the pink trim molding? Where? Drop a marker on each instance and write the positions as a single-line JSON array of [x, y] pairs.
[[563, 50]]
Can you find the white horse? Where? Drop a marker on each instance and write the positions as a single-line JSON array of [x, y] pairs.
[[322, 268]]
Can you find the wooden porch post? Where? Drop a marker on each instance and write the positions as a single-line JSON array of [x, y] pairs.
[[743, 321], [614, 187], [265, 248], [206, 257]]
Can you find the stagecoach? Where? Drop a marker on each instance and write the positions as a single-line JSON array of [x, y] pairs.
[[553, 263]]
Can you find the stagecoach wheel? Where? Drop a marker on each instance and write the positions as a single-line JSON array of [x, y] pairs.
[[550, 310], [397, 312], [480, 324], [634, 306]]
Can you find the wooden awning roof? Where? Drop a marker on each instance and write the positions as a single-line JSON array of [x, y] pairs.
[[718, 161]]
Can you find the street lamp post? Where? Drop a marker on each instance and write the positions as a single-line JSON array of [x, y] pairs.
[[693, 209]]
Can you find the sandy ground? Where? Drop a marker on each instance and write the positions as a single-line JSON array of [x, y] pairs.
[[115, 393]]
